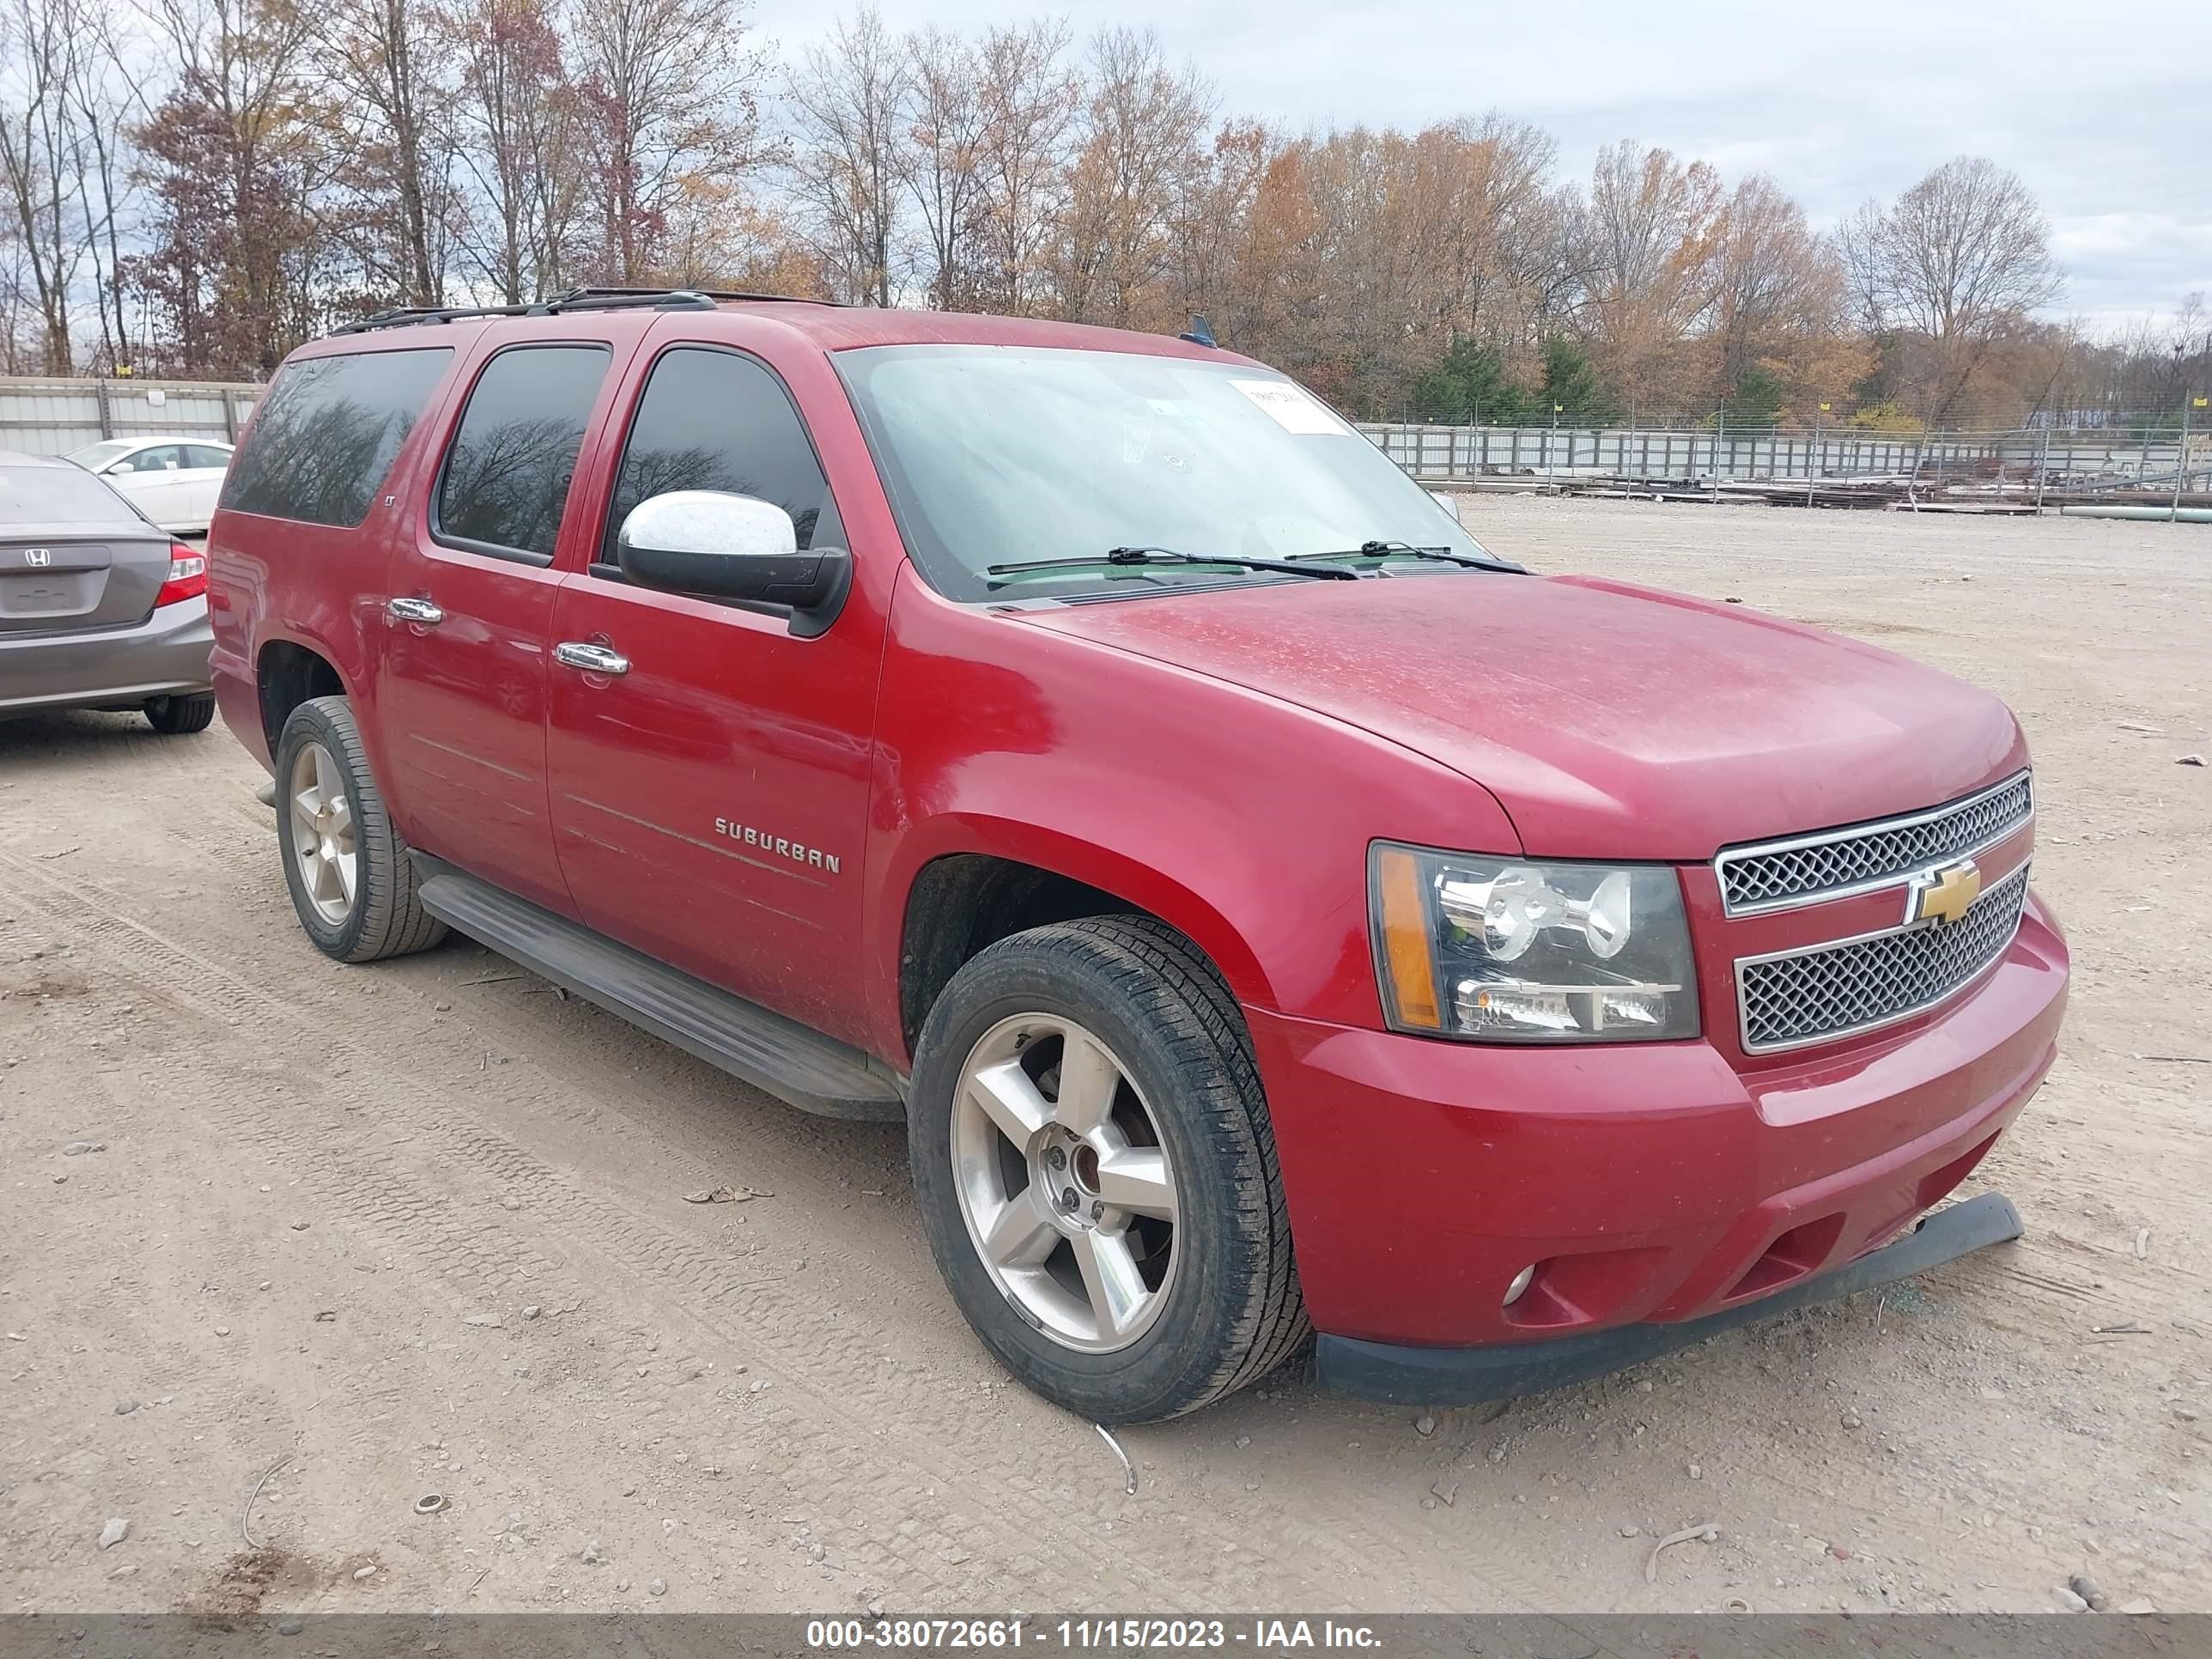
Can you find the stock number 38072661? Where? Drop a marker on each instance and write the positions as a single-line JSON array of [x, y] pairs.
[[1076, 1635]]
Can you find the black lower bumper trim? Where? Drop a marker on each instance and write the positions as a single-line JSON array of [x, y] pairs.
[[1464, 1376]]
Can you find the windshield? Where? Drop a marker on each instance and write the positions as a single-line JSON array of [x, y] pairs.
[[1003, 455], [93, 457], [56, 495]]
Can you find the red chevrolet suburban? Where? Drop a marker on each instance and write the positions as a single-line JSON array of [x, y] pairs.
[[1267, 910]]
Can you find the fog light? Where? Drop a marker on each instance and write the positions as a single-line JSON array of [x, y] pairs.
[[1521, 1282]]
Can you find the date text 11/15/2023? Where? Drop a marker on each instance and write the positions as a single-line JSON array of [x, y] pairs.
[[1088, 1635]]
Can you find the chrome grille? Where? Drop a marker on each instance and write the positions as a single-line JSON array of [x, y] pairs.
[[1832, 990], [1805, 869]]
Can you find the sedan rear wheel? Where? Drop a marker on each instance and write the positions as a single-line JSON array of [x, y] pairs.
[[180, 716]]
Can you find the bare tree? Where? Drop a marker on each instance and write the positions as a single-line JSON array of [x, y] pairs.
[[724, 240], [1391, 250], [106, 98], [1654, 225], [1965, 250], [384, 59], [1955, 266], [1497, 231], [42, 144], [1143, 135], [849, 101], [519, 148], [1029, 102], [22, 332], [237, 157], [942, 159], [671, 90], [1215, 221], [1778, 287]]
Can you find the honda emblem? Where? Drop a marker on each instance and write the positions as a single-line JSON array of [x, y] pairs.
[[39, 557]]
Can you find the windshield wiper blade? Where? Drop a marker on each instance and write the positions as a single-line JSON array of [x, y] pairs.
[[1128, 555], [1407, 551]]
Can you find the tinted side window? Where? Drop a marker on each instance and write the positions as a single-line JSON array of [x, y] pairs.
[[506, 475], [200, 455], [162, 458], [712, 420], [329, 431]]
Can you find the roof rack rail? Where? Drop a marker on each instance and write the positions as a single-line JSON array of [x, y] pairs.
[[600, 295], [577, 299]]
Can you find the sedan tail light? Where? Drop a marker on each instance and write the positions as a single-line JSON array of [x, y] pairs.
[[188, 578]]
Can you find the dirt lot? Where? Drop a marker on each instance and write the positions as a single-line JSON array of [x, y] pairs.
[[419, 1229]]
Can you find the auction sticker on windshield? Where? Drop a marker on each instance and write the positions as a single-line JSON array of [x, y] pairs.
[[1293, 409]]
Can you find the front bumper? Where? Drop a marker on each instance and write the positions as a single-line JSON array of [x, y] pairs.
[[166, 655], [1465, 1376], [1651, 1184]]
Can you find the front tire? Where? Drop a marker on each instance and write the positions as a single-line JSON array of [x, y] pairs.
[[351, 878], [1096, 1170], [180, 716]]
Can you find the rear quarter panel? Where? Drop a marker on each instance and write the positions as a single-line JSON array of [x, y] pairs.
[[322, 587]]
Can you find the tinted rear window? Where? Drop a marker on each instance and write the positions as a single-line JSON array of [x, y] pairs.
[[506, 477], [329, 431], [58, 495]]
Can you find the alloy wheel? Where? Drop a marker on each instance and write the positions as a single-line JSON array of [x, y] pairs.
[[323, 833], [1068, 1190]]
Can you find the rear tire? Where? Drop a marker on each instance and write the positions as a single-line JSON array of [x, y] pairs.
[[1167, 1281], [180, 716], [351, 878]]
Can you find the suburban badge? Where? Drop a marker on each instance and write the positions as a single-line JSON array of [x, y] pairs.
[[781, 846]]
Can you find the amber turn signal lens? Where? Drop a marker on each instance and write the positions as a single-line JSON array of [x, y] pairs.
[[1408, 940]]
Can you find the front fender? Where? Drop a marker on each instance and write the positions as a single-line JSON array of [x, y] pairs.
[[1241, 819], [1061, 850]]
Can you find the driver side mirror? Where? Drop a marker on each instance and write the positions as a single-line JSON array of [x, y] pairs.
[[119, 468], [729, 547]]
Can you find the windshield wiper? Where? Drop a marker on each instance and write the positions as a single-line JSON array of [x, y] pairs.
[[1129, 555], [1407, 551]]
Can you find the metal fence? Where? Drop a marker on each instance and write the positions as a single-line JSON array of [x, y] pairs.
[[2061, 457], [52, 417]]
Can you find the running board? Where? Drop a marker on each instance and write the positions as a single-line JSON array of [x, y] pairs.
[[795, 1063]]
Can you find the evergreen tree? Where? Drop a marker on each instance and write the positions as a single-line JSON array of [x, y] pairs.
[[1571, 387], [1756, 398], [1469, 387]]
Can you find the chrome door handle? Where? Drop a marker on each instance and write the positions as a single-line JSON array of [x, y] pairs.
[[420, 612], [592, 659]]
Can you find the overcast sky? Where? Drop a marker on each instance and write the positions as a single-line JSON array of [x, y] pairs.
[[2110, 121]]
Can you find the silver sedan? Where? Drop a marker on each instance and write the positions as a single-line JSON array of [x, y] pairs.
[[98, 607]]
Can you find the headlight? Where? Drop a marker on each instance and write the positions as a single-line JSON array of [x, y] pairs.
[[1509, 951]]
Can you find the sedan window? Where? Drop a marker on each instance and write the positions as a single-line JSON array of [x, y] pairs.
[[56, 495], [93, 457]]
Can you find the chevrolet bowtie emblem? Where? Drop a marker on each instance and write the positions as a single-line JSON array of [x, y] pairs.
[[1944, 896]]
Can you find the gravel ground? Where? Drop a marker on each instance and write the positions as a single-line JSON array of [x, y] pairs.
[[288, 1248]]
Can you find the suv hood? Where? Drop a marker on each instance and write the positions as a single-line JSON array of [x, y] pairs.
[[1609, 720]]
